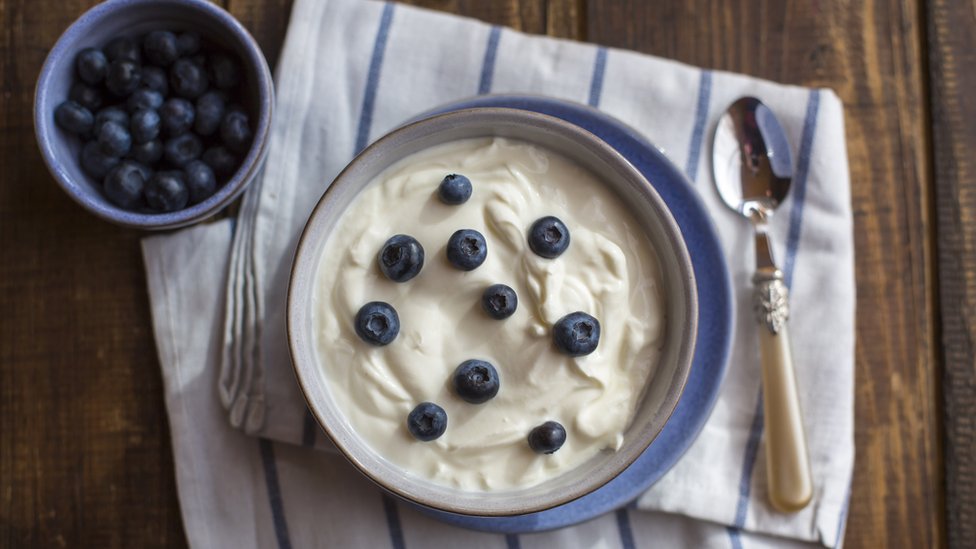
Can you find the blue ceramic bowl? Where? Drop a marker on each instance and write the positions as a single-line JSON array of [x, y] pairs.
[[133, 18], [656, 225]]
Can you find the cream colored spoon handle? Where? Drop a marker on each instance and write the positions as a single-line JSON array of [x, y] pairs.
[[787, 460]]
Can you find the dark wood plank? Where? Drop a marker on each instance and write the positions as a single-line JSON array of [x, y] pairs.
[[85, 457], [952, 57], [871, 54]]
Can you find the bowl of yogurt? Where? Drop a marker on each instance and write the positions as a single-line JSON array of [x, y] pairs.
[[491, 312]]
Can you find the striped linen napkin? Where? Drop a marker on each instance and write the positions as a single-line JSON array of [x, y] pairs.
[[352, 70]]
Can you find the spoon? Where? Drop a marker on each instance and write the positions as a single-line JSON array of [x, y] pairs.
[[753, 171]]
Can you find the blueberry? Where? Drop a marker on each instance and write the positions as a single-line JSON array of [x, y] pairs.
[[177, 116], [180, 150], [188, 43], [467, 249], [210, 111], [199, 60], [144, 98], [234, 131], [154, 78], [123, 77], [166, 191], [122, 49], [547, 438], [377, 323], [114, 139], [187, 79], [148, 153], [95, 163], [476, 381], [401, 258], [499, 301], [221, 161], [224, 71], [74, 118], [454, 189], [92, 65], [576, 334], [124, 184], [427, 421], [160, 48], [110, 114], [145, 125], [145, 170], [86, 96], [200, 180], [548, 237]]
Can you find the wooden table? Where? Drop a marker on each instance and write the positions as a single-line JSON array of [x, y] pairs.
[[85, 457]]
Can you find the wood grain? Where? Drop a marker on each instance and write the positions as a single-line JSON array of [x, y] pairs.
[[870, 53], [85, 458], [85, 455], [952, 57]]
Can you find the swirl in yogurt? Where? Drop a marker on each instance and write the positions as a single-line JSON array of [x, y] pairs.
[[609, 271]]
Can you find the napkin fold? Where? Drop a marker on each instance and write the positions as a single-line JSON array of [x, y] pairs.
[[351, 70]]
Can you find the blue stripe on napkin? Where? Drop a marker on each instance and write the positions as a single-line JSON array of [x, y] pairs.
[[701, 116], [843, 517], [752, 447], [266, 448], [626, 533], [309, 429], [792, 244], [596, 82], [800, 185], [512, 541], [373, 78], [393, 522], [734, 539], [488, 65]]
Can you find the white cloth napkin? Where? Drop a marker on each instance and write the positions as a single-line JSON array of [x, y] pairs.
[[352, 70]]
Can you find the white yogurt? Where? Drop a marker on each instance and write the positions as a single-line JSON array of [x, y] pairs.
[[609, 271]]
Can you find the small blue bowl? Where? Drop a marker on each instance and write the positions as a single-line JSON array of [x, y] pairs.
[[133, 18]]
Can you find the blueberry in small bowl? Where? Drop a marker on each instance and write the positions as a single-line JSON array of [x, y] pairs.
[[149, 83]]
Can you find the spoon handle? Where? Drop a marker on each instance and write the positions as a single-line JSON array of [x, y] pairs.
[[787, 461]]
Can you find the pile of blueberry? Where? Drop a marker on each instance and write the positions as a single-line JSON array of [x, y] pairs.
[[157, 118], [475, 381]]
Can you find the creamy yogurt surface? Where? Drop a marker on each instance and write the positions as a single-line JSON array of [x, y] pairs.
[[609, 271]]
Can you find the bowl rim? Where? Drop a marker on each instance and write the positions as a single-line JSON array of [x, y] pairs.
[[46, 135], [305, 261]]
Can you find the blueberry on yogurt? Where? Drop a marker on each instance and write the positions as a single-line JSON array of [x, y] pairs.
[[549, 237], [547, 438], [467, 249], [377, 323], [476, 381], [427, 421], [401, 258], [499, 301], [576, 334], [454, 189]]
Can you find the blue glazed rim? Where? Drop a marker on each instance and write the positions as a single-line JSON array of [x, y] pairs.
[[47, 133], [715, 320]]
